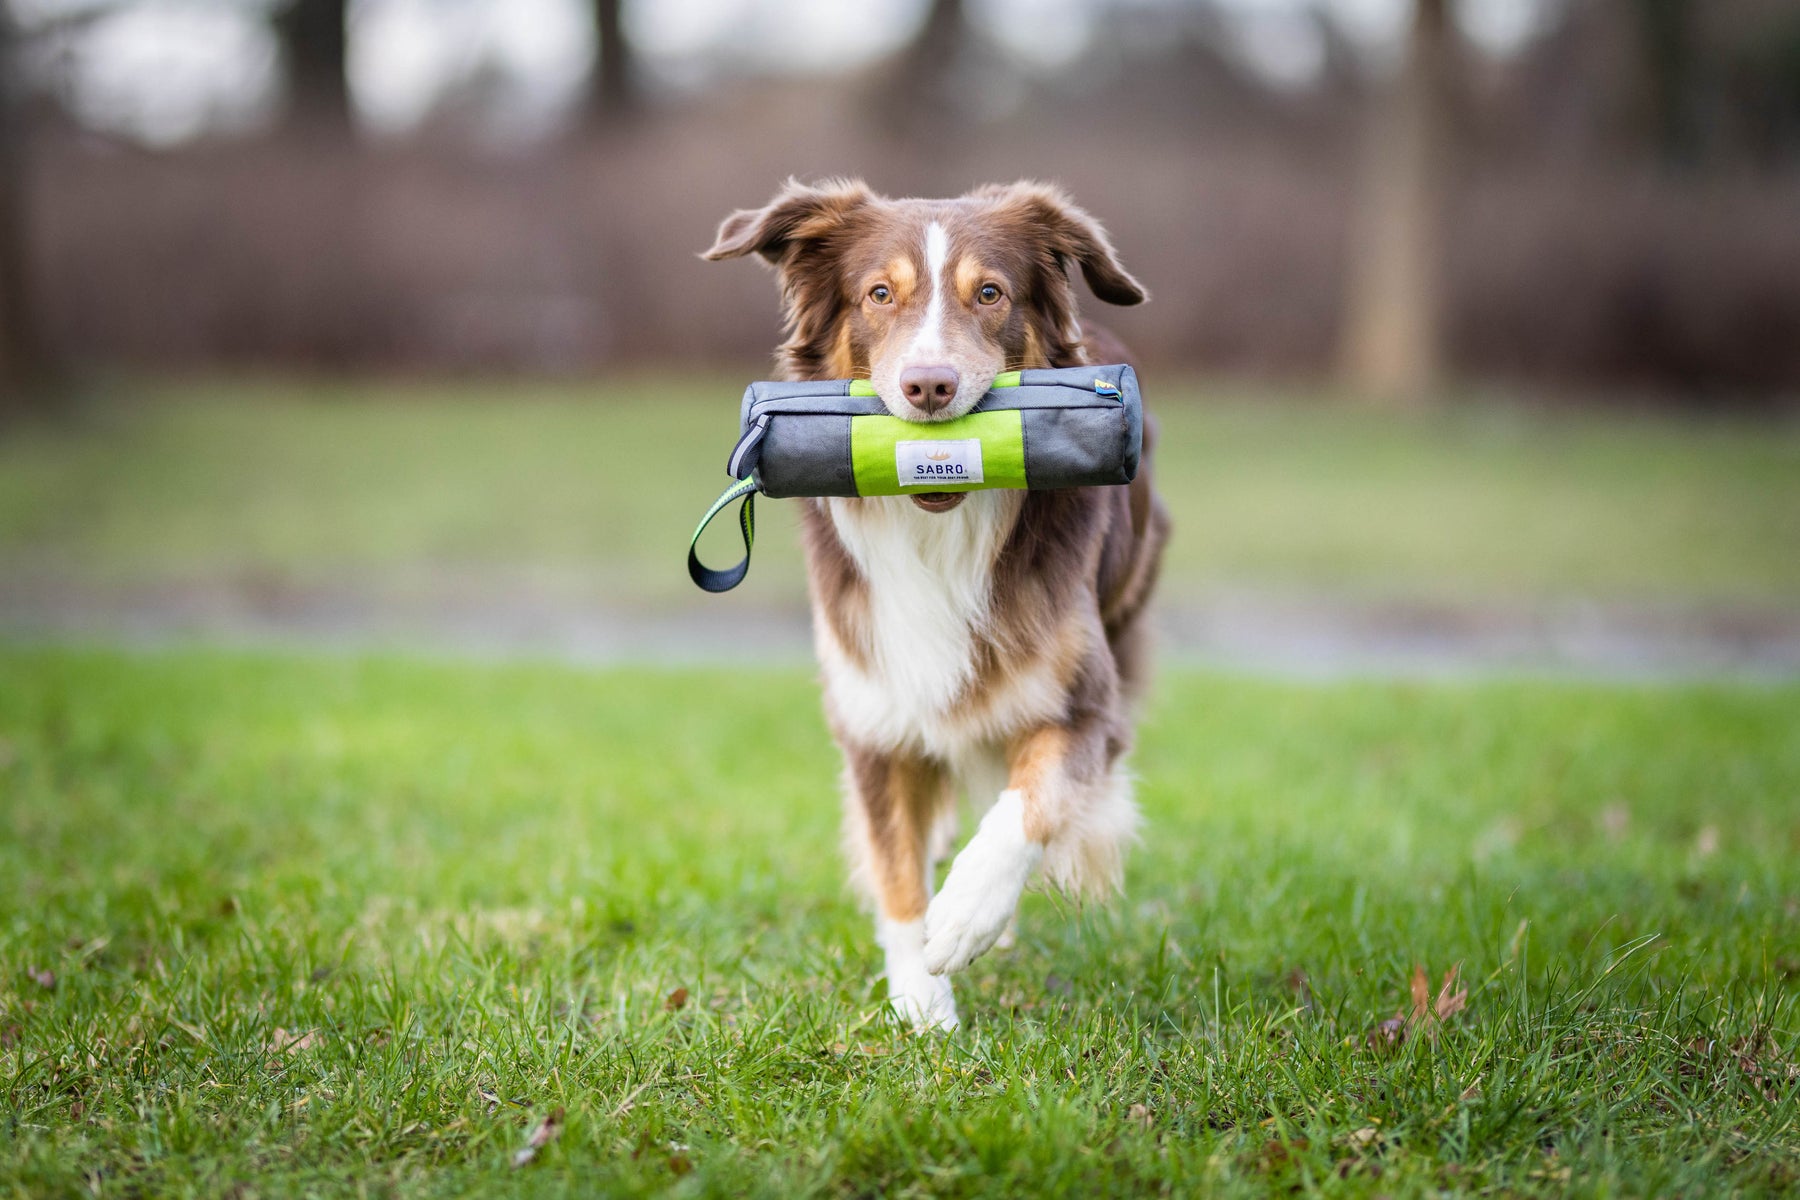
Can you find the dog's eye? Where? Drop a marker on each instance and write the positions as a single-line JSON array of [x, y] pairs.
[[989, 293], [880, 294]]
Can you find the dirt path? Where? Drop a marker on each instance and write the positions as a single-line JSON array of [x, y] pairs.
[[1279, 635]]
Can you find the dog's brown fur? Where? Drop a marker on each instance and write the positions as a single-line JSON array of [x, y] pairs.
[[1067, 589]]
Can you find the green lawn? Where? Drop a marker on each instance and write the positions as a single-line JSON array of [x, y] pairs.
[[591, 491], [348, 926]]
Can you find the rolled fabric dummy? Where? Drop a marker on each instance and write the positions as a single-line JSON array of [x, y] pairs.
[[1054, 428]]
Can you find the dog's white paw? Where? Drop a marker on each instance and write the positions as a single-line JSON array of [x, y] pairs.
[[924, 1000], [979, 898], [970, 914]]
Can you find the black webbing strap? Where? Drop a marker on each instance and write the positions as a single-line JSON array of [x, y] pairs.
[[730, 577]]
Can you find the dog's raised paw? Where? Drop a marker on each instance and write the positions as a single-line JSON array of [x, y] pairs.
[[958, 933], [979, 898]]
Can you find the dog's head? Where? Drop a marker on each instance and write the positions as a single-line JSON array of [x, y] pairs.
[[927, 299]]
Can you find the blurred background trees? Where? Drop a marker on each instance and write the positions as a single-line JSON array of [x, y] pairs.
[[315, 43], [1393, 333], [25, 364], [613, 86], [1396, 192]]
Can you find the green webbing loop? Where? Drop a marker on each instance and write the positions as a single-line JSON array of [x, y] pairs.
[[724, 581]]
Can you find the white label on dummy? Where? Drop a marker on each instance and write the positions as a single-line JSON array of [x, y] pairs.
[[934, 464]]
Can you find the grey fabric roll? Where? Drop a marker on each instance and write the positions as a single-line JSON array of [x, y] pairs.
[[1082, 427]]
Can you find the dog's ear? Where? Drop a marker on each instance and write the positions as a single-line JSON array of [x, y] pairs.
[[798, 213], [1073, 236]]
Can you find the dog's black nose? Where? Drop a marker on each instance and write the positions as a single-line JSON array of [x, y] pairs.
[[929, 389]]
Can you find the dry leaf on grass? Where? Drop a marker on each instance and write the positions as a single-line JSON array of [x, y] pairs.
[[283, 1042], [1277, 1155], [1301, 987], [676, 1000], [1140, 1114], [43, 977], [1450, 1000], [547, 1131], [678, 1156], [1427, 1014], [1756, 1056]]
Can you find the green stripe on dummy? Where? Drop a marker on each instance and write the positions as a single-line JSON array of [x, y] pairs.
[[862, 387], [874, 443]]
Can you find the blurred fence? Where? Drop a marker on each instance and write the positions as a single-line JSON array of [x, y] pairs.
[[326, 254], [1585, 239]]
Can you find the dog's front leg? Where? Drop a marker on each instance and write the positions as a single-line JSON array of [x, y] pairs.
[[894, 799], [1061, 798]]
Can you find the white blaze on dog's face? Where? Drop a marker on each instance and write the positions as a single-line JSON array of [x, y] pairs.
[[932, 323], [928, 299]]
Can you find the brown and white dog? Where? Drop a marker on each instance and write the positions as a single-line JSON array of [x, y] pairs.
[[986, 642]]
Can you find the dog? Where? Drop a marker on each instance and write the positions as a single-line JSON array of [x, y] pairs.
[[987, 642]]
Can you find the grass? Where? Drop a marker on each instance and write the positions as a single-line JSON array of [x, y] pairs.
[[591, 492], [471, 891]]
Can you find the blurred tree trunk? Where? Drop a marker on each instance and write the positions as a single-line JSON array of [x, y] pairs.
[[612, 95], [923, 92], [315, 44], [26, 374], [1392, 350], [1667, 29], [940, 39]]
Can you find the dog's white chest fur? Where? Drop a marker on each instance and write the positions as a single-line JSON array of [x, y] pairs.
[[929, 578]]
